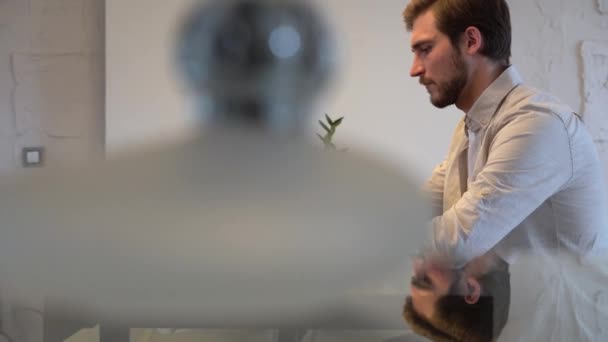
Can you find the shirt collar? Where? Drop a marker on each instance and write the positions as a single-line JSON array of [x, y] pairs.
[[487, 104]]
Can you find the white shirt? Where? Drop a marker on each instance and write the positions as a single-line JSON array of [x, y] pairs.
[[558, 298], [528, 177]]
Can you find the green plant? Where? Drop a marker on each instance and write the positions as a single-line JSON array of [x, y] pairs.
[[330, 129]]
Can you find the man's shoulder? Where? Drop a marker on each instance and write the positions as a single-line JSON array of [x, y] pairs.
[[525, 100], [528, 97]]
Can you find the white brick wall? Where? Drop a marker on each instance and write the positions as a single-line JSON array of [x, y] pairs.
[[561, 46], [51, 79]]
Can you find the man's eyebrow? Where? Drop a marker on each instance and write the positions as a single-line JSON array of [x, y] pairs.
[[420, 284], [418, 44]]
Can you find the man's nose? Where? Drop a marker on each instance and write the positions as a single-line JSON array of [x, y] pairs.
[[417, 68]]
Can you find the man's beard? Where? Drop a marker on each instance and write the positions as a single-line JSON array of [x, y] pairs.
[[449, 91]]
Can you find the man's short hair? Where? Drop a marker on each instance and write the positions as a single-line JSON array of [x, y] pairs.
[[491, 17], [455, 320]]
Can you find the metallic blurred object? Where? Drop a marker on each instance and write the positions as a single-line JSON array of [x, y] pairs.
[[257, 62], [239, 227]]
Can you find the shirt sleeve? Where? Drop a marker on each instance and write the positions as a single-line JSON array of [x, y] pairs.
[[529, 160], [433, 189]]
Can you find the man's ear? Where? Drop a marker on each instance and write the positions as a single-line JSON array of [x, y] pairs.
[[472, 40], [473, 291]]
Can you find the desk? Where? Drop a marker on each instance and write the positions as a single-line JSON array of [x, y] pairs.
[[364, 312]]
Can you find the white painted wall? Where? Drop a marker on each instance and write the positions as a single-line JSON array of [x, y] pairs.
[[145, 102], [385, 111], [51, 80]]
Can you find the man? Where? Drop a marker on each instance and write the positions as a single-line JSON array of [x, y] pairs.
[[522, 170], [522, 173], [470, 305]]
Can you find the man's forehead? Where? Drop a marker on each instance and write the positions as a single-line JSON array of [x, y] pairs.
[[424, 28]]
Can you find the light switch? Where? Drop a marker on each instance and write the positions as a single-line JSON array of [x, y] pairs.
[[32, 156]]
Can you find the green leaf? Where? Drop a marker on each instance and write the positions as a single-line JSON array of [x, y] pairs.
[[327, 129], [325, 139], [330, 129]]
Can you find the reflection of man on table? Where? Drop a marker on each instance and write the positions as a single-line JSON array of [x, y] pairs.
[[522, 172]]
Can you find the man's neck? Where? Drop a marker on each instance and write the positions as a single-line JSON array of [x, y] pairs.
[[480, 79]]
